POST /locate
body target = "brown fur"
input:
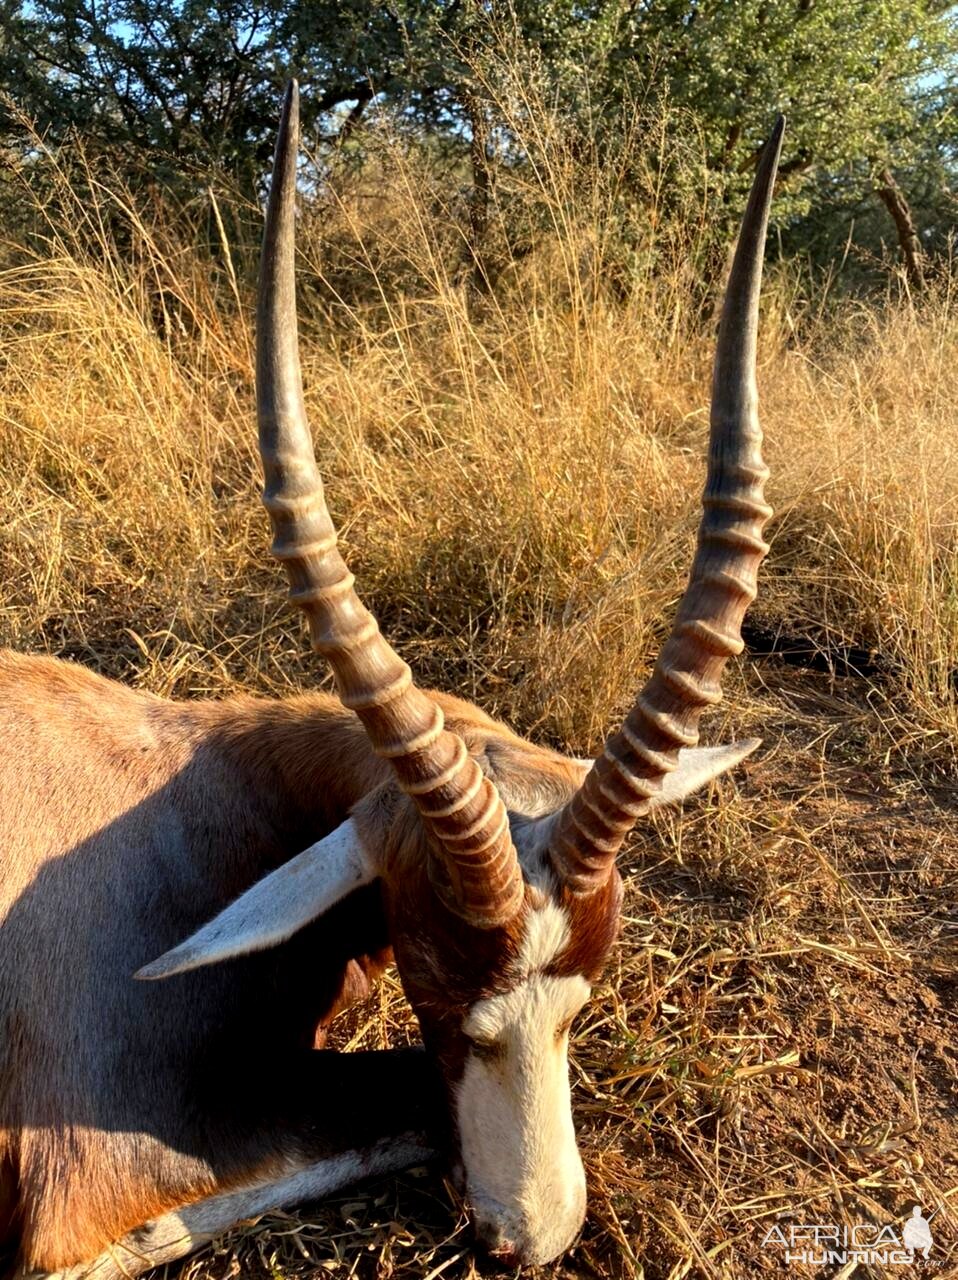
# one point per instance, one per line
(128, 822)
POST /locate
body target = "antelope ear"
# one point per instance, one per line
(277, 906)
(698, 766)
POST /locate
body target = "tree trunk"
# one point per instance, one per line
(893, 198)
(363, 98)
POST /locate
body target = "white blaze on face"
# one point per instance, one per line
(524, 1179)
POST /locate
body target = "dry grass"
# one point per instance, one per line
(516, 478)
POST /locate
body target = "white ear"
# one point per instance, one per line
(277, 906)
(697, 766)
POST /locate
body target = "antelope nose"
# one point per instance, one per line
(493, 1240)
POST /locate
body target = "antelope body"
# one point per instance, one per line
(266, 860)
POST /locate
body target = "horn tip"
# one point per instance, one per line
(289, 113)
(773, 146)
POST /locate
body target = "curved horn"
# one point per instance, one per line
(706, 632)
(462, 811)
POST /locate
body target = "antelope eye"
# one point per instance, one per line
(485, 1050)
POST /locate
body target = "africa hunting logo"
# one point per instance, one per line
(820, 1244)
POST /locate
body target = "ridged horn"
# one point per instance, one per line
(463, 813)
(707, 631)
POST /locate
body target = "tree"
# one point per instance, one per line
(187, 88)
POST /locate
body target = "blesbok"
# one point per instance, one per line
(296, 846)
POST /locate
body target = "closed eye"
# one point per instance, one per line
(485, 1050)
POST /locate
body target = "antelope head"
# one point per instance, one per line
(496, 858)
